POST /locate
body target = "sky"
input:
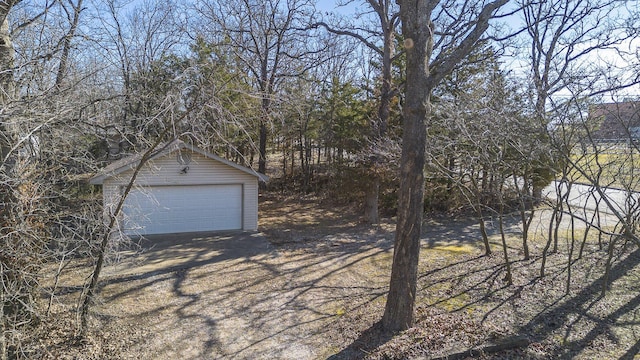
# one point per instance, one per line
(611, 60)
(517, 62)
(331, 5)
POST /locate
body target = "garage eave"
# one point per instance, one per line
(131, 162)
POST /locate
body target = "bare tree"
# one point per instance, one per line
(48, 121)
(129, 43)
(477, 138)
(381, 40)
(271, 41)
(35, 177)
(562, 34)
(566, 41)
(7, 54)
(73, 15)
(89, 293)
(9, 265)
(423, 76)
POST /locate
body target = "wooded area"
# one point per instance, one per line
(403, 108)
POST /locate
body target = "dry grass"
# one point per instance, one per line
(319, 291)
(464, 303)
(617, 167)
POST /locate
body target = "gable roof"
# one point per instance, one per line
(130, 162)
(619, 120)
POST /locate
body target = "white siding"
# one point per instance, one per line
(184, 208)
(201, 171)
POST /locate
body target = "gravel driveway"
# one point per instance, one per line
(171, 252)
(236, 296)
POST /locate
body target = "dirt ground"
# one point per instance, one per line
(312, 285)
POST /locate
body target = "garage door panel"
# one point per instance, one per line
(171, 209)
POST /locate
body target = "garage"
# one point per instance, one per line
(175, 209)
(181, 188)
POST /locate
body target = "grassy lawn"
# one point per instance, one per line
(614, 166)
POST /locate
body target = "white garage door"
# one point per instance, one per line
(174, 209)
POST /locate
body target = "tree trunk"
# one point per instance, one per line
(483, 231)
(537, 193)
(505, 249)
(66, 48)
(301, 151)
(386, 93)
(3, 340)
(284, 158)
(6, 198)
(265, 88)
(6, 87)
(380, 126)
(262, 151)
(293, 156)
(418, 30)
(477, 199)
(525, 217)
(416, 27)
(90, 292)
(371, 201)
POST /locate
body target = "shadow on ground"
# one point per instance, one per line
(579, 324)
(238, 296)
(170, 252)
(253, 295)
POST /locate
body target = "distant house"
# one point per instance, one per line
(181, 189)
(619, 121)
